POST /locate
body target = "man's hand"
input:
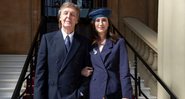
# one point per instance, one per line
(87, 71)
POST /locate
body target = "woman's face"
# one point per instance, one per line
(101, 24)
(68, 18)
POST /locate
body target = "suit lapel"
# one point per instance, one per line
(106, 50)
(74, 47)
(60, 49)
(96, 56)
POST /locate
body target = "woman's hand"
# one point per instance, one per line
(87, 71)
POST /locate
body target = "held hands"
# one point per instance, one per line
(87, 71)
(121, 98)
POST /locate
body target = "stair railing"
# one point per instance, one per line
(138, 56)
(27, 72)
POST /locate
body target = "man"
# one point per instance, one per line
(61, 57)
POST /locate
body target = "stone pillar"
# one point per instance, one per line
(171, 47)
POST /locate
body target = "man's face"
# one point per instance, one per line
(68, 18)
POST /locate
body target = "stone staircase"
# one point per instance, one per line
(145, 90)
(10, 69)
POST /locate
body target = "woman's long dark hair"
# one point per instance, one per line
(110, 33)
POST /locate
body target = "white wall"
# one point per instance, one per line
(171, 46)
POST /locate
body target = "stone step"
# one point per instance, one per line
(12, 63)
(6, 93)
(12, 57)
(11, 66)
(150, 97)
(8, 83)
(132, 69)
(145, 90)
(10, 69)
(5, 97)
(141, 83)
(9, 75)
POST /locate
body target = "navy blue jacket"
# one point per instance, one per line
(111, 76)
(58, 73)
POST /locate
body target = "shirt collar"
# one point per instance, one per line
(65, 34)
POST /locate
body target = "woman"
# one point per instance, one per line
(111, 76)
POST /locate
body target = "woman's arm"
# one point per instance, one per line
(124, 71)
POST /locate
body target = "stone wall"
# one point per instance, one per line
(19, 21)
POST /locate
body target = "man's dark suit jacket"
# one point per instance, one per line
(58, 73)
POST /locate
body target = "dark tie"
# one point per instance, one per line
(67, 43)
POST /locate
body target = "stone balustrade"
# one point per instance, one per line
(143, 39)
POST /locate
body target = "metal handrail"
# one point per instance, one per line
(16, 93)
(172, 95)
